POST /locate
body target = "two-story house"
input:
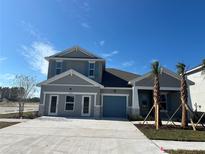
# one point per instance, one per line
(197, 91)
(79, 84)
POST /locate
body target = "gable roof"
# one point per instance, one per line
(117, 78)
(75, 52)
(195, 69)
(71, 71)
(163, 70)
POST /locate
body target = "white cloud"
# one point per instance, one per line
(109, 55)
(30, 29)
(102, 43)
(36, 53)
(85, 25)
(128, 63)
(6, 79)
(3, 59)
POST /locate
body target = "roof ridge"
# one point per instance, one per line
(122, 70)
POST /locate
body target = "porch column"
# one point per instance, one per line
(135, 101)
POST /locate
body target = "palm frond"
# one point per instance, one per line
(155, 67)
(180, 68)
(203, 63)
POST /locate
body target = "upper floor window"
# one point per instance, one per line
(91, 69)
(59, 67)
(163, 101)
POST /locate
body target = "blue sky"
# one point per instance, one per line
(130, 34)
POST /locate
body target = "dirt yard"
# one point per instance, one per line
(12, 107)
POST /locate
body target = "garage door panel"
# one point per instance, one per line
(114, 106)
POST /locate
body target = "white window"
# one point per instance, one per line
(91, 69)
(163, 101)
(59, 67)
(69, 104)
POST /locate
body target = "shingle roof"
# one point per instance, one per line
(75, 52)
(117, 78)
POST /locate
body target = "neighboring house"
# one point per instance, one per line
(79, 84)
(197, 91)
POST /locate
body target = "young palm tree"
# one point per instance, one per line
(183, 93)
(203, 63)
(156, 93)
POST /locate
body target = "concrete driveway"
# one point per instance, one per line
(83, 136)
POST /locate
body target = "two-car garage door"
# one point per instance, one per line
(114, 106)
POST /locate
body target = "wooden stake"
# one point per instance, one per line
(200, 119)
(174, 114)
(148, 114)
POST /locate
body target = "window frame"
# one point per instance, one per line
(91, 69)
(58, 68)
(164, 102)
(69, 103)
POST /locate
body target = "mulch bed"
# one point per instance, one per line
(171, 132)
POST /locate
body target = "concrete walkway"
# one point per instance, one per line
(176, 145)
(13, 120)
(83, 136)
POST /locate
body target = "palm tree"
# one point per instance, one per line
(156, 93)
(203, 63)
(183, 93)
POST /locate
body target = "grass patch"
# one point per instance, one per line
(26, 115)
(171, 132)
(7, 124)
(185, 152)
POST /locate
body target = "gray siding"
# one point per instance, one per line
(71, 80)
(61, 105)
(165, 81)
(73, 90)
(79, 66)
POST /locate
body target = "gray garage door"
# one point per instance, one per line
(114, 106)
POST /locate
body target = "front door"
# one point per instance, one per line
(86, 105)
(53, 105)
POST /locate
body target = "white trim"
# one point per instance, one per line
(67, 93)
(44, 99)
(49, 109)
(161, 88)
(69, 103)
(194, 69)
(70, 72)
(77, 59)
(110, 94)
(95, 101)
(89, 108)
(70, 85)
(89, 69)
(120, 88)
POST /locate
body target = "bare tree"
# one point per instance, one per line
(26, 87)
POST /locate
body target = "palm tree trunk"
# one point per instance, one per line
(157, 101)
(183, 92)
